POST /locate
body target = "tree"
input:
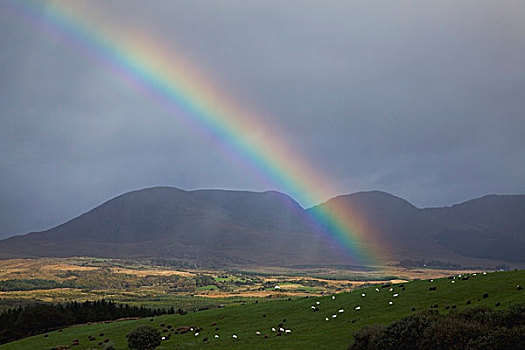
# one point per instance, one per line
(144, 338)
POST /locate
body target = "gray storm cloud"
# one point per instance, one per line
(425, 100)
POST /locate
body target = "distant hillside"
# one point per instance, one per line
(210, 227)
(231, 228)
(492, 227)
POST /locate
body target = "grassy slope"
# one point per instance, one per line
(309, 329)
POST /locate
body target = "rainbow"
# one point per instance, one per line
(180, 87)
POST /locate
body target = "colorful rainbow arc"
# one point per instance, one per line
(165, 76)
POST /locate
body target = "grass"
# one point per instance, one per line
(309, 328)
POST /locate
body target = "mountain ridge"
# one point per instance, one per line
(224, 227)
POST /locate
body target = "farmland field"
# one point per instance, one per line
(245, 314)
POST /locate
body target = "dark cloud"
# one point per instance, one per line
(424, 100)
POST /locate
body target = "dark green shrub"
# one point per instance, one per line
(469, 329)
(366, 337)
(144, 338)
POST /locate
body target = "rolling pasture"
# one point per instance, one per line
(326, 322)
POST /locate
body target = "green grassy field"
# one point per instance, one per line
(309, 329)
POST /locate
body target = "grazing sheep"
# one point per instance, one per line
(334, 316)
(163, 338)
(518, 287)
(341, 310)
(317, 302)
(358, 308)
(391, 290)
(216, 336)
(258, 333)
(484, 273)
(363, 294)
(234, 336)
(197, 334)
(390, 303)
(453, 281)
(326, 319)
(288, 331)
(333, 297)
(281, 329)
(395, 295)
(277, 287)
(273, 329)
(377, 289)
(312, 307)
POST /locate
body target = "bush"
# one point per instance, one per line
(144, 338)
(470, 329)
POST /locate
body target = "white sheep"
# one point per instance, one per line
(277, 287)
(163, 338)
(395, 295)
(377, 289)
(288, 331)
(216, 336)
(390, 303)
(333, 297)
(312, 307)
(358, 308)
(326, 319)
(391, 290)
(363, 294)
(334, 316)
(281, 329)
(234, 336)
(258, 333)
(197, 334)
(317, 302)
(273, 329)
(341, 310)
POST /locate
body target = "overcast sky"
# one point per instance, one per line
(425, 100)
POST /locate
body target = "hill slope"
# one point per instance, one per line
(225, 228)
(309, 329)
(491, 227)
(210, 227)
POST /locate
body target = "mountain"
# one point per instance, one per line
(210, 227)
(491, 227)
(220, 228)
